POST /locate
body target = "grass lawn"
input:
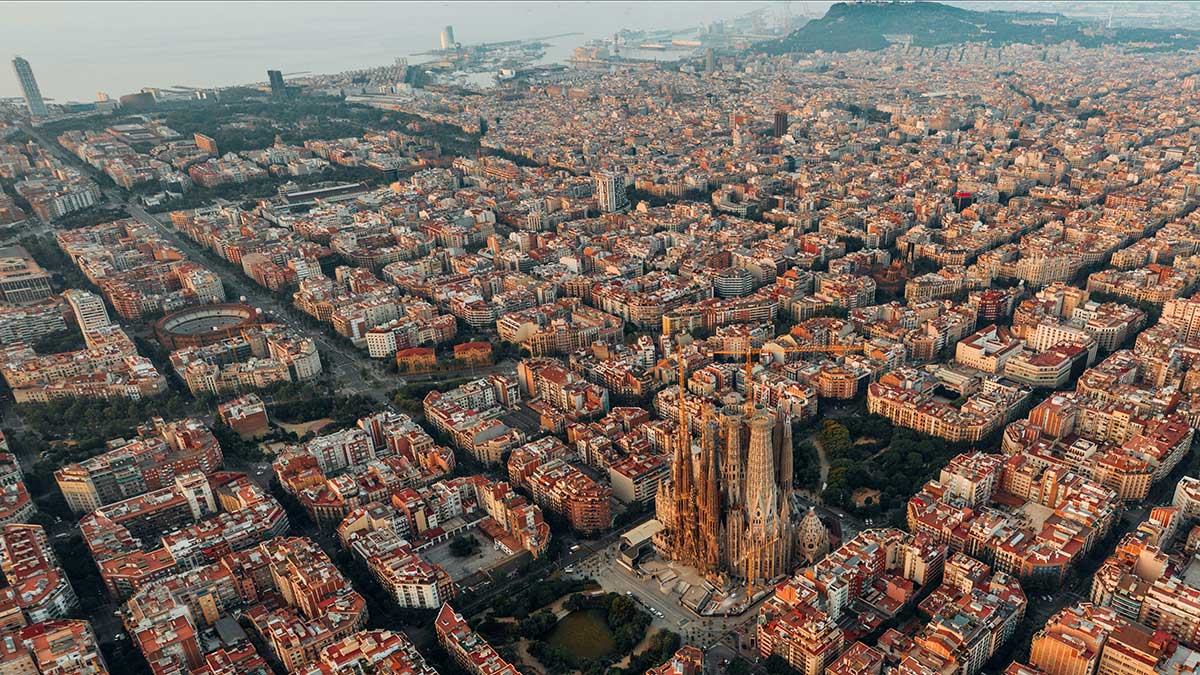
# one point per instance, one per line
(584, 634)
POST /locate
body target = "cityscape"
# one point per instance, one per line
(787, 338)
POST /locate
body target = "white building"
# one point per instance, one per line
(1050, 333)
(610, 192)
(340, 450)
(1187, 498)
(27, 323)
(988, 349)
(89, 309)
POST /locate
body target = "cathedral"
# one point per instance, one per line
(728, 512)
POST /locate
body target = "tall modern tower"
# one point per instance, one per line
(278, 88)
(610, 192)
(781, 123)
(33, 95)
(89, 310)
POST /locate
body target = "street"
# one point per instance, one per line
(707, 632)
(578, 551)
(354, 372)
(346, 365)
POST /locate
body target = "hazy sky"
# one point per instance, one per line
(78, 49)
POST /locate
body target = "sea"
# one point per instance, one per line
(79, 49)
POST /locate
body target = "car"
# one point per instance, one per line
(569, 568)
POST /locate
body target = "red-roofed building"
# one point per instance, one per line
(469, 650)
(473, 353)
(416, 359)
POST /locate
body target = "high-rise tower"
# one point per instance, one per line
(781, 123)
(278, 88)
(29, 85)
(90, 313)
(610, 192)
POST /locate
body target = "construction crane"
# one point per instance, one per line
(750, 352)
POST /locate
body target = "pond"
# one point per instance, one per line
(583, 633)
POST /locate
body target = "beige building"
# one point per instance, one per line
(22, 280)
(89, 309)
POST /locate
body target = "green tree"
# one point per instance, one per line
(464, 546)
(776, 665)
(835, 438)
(538, 624)
(738, 667)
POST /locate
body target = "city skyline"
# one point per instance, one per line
(205, 48)
(29, 87)
(343, 44)
(749, 340)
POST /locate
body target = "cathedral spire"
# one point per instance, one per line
(733, 460)
(727, 514)
(783, 452)
(710, 498)
(761, 480)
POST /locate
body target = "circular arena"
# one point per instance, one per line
(204, 324)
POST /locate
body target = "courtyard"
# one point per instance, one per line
(487, 561)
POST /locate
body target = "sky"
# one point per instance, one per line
(79, 49)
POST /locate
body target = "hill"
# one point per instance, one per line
(847, 27)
